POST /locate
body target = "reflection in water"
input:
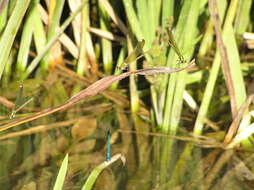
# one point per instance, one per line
(153, 161)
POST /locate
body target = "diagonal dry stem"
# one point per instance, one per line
(94, 89)
(236, 122)
(223, 52)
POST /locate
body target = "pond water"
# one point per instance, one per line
(152, 162)
(31, 154)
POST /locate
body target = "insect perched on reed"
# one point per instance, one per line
(135, 55)
(174, 45)
(108, 156)
(20, 102)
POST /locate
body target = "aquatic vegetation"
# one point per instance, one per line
(164, 84)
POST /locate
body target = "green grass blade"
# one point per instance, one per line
(142, 18)
(198, 128)
(106, 44)
(52, 28)
(49, 44)
(242, 136)
(120, 60)
(151, 15)
(39, 32)
(3, 15)
(96, 171)
(207, 40)
(155, 6)
(26, 40)
(82, 66)
(235, 65)
(243, 16)
(61, 174)
(134, 55)
(10, 32)
(8, 68)
(167, 11)
(133, 19)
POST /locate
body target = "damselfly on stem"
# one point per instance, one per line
(20, 102)
(135, 55)
(173, 44)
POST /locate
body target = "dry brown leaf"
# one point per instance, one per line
(84, 128)
(84, 146)
(94, 89)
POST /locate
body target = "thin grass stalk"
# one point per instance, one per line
(213, 9)
(157, 9)
(152, 16)
(133, 86)
(26, 40)
(237, 75)
(133, 20)
(242, 16)
(135, 26)
(10, 32)
(167, 11)
(8, 69)
(91, 54)
(157, 100)
(148, 13)
(3, 15)
(82, 65)
(120, 60)
(55, 12)
(114, 17)
(80, 30)
(61, 174)
(207, 40)
(235, 65)
(106, 44)
(76, 24)
(106, 53)
(144, 22)
(12, 5)
(198, 128)
(39, 33)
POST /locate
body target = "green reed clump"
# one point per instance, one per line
(57, 48)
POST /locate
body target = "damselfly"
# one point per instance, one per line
(108, 156)
(20, 102)
(135, 55)
(173, 44)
